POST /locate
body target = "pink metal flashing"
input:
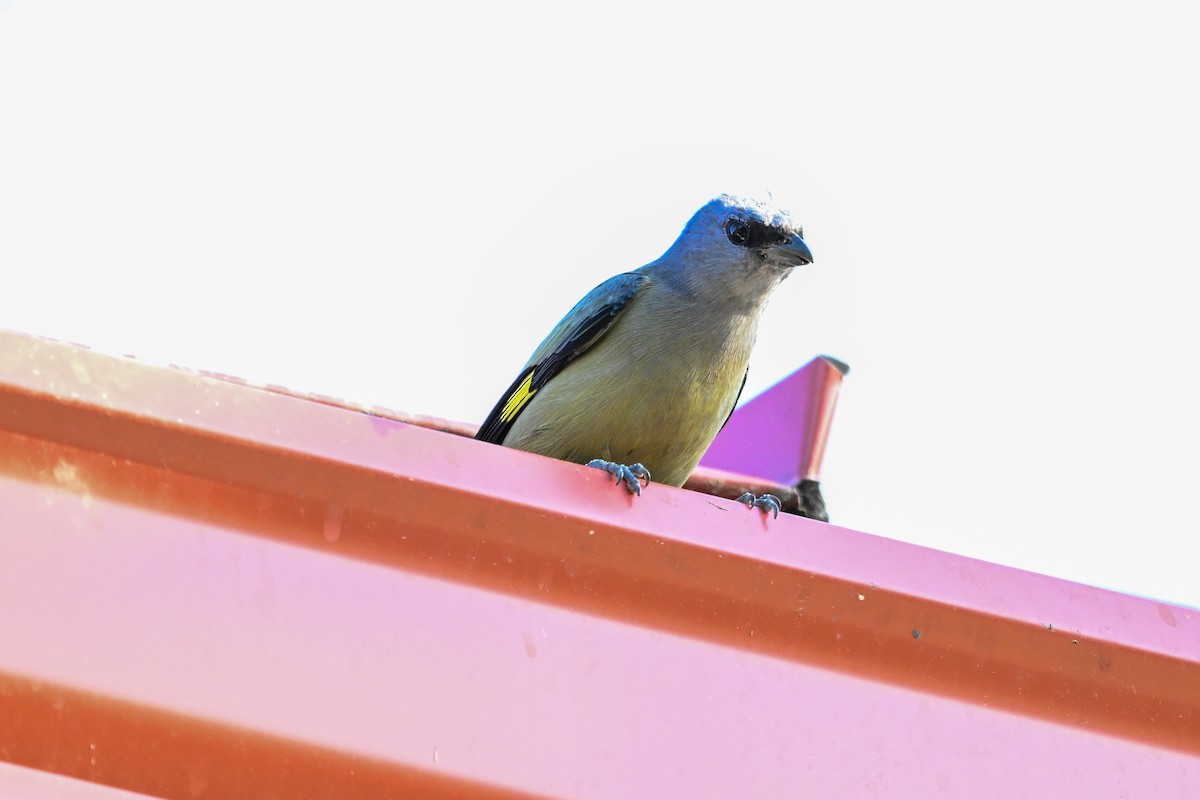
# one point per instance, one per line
(781, 434)
(212, 590)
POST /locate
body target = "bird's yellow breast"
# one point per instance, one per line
(631, 399)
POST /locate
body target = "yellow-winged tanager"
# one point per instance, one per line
(638, 378)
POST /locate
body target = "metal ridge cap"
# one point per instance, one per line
(194, 403)
(686, 563)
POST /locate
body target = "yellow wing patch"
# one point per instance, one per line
(517, 400)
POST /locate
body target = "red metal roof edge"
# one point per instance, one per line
(790, 587)
(708, 480)
(61, 719)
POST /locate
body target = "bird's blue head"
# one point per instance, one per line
(747, 246)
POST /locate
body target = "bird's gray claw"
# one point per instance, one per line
(768, 502)
(632, 475)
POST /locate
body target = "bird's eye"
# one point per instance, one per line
(738, 232)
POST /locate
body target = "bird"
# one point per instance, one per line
(638, 378)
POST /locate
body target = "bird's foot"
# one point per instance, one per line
(631, 474)
(768, 502)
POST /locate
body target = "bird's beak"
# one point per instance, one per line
(792, 252)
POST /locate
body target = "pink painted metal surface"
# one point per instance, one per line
(34, 784)
(782, 433)
(209, 590)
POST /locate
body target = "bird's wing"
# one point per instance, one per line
(581, 328)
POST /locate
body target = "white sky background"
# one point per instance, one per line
(393, 203)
